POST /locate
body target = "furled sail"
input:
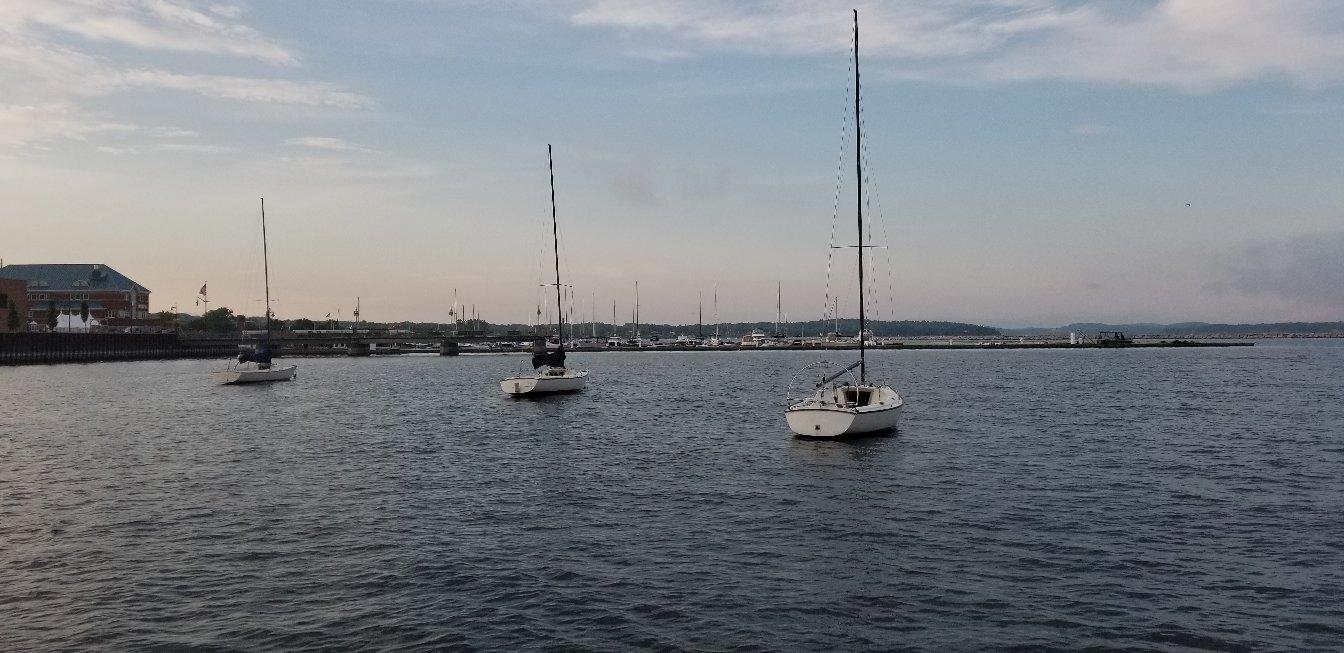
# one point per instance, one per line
(261, 355)
(541, 357)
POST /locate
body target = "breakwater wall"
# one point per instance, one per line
(41, 348)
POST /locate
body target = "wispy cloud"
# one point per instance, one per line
(25, 124)
(1190, 44)
(66, 53)
(325, 143)
(148, 25)
(199, 148)
(116, 151)
(245, 89)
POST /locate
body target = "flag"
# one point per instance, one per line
(202, 293)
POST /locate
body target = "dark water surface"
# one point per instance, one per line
(1169, 499)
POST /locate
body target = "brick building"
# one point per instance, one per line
(109, 294)
(13, 291)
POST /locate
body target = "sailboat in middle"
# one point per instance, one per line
(549, 374)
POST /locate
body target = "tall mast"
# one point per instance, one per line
(637, 312)
(555, 235)
(779, 303)
(592, 312)
(266, 268)
(613, 318)
(700, 319)
(716, 311)
(858, 187)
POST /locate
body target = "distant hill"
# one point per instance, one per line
(1188, 329)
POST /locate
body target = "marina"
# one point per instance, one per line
(1017, 328)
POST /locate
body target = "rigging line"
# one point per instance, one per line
(876, 196)
(869, 302)
(835, 203)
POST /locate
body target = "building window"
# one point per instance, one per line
(4, 300)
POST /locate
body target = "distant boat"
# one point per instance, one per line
(555, 378)
(257, 365)
(834, 409)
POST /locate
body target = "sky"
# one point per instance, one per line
(1030, 162)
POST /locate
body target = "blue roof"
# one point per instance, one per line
(63, 276)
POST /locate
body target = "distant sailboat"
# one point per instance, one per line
(834, 409)
(257, 366)
(555, 378)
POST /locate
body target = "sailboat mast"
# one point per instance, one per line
(637, 313)
(555, 236)
(858, 187)
(266, 269)
(716, 311)
(700, 318)
(779, 303)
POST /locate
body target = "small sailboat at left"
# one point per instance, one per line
(257, 365)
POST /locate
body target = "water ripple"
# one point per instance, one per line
(1056, 500)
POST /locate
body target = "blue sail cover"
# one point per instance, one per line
(541, 357)
(261, 355)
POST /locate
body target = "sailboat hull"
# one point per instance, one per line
(543, 384)
(240, 376)
(821, 417)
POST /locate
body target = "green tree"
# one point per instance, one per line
(14, 320)
(217, 320)
(302, 324)
(84, 312)
(51, 316)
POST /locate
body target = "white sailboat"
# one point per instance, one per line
(257, 365)
(855, 406)
(549, 375)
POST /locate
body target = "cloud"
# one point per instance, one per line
(1189, 44)
(22, 125)
(116, 151)
(325, 143)
(64, 54)
(200, 148)
(147, 25)
(1306, 268)
(244, 89)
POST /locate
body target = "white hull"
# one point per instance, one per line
(545, 383)
(823, 416)
(237, 376)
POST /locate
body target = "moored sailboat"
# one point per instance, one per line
(556, 377)
(856, 406)
(257, 365)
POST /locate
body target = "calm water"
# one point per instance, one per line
(1171, 499)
